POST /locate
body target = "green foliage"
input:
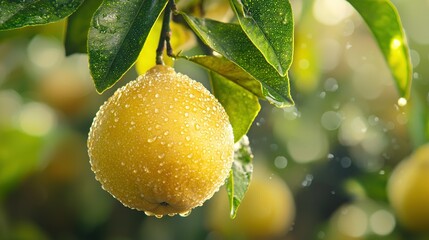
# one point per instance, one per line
(116, 35)
(229, 40)
(241, 105)
(17, 14)
(241, 174)
(384, 22)
(230, 71)
(19, 153)
(78, 26)
(269, 28)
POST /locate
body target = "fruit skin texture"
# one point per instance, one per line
(161, 144)
(408, 190)
(266, 212)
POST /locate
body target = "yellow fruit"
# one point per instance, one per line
(161, 144)
(267, 210)
(408, 190)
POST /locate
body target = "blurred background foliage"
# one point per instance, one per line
(335, 149)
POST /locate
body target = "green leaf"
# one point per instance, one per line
(17, 14)
(78, 26)
(117, 33)
(19, 155)
(384, 22)
(240, 176)
(269, 28)
(230, 41)
(229, 70)
(241, 105)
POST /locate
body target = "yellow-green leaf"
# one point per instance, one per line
(240, 176)
(383, 20)
(241, 105)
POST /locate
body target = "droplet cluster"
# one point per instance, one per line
(161, 144)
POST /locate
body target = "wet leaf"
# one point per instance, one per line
(240, 176)
(241, 105)
(269, 28)
(17, 14)
(229, 70)
(117, 33)
(78, 26)
(230, 41)
(385, 23)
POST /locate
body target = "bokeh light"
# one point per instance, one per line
(37, 119)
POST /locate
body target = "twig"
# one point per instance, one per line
(164, 39)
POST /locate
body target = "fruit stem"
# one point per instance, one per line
(164, 39)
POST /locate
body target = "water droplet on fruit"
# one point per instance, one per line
(148, 213)
(160, 156)
(151, 140)
(185, 214)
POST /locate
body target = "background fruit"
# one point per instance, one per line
(162, 143)
(409, 192)
(267, 210)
